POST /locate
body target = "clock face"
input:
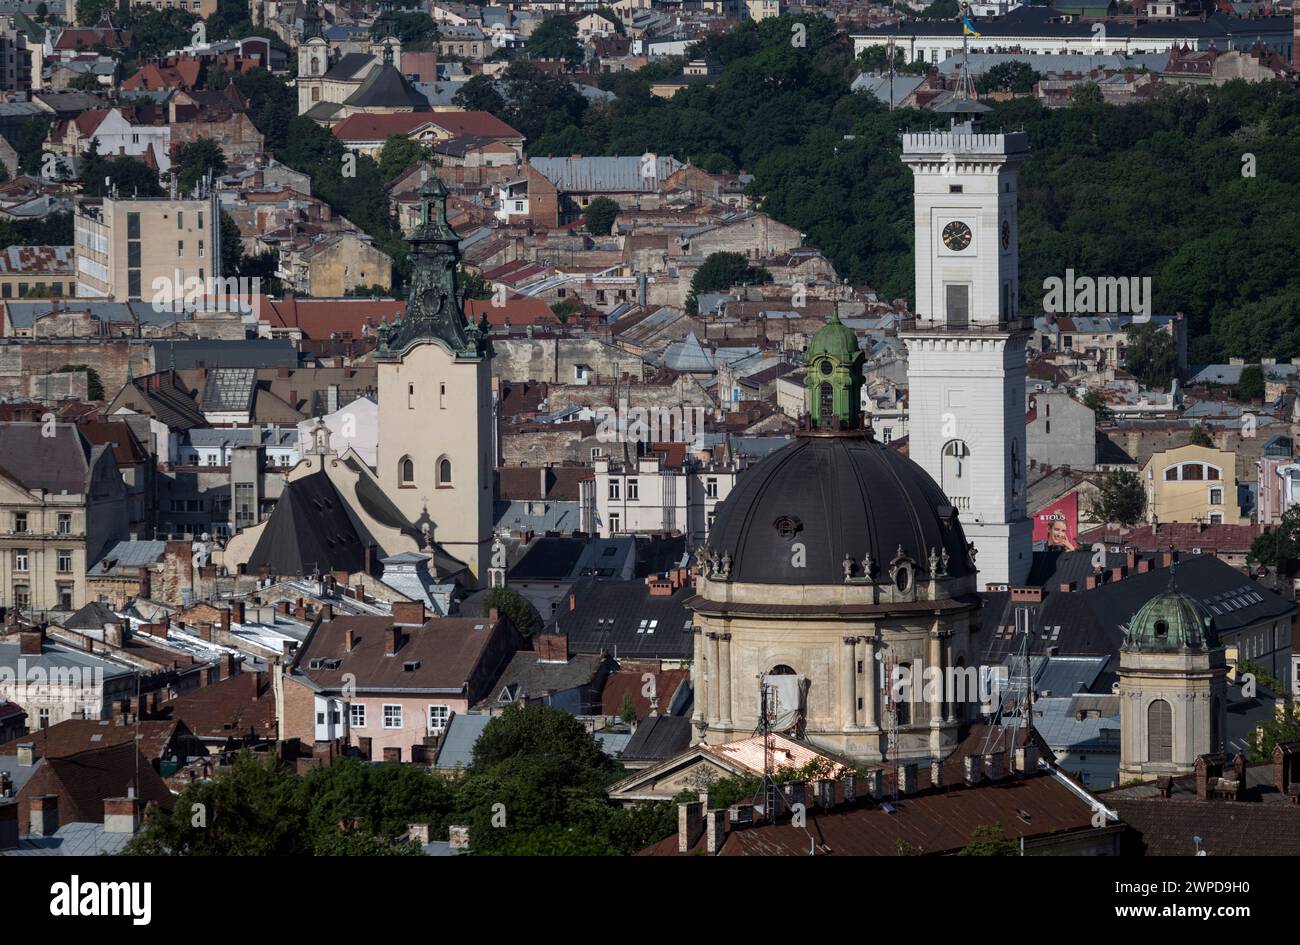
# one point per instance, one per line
(1006, 235)
(956, 236)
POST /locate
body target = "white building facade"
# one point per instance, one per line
(967, 345)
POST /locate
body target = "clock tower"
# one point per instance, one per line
(966, 348)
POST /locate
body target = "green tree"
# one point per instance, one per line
(516, 607)
(599, 216)
(1017, 77)
(722, 271)
(399, 154)
(565, 309)
(416, 31)
(1280, 544)
(627, 711)
(85, 82)
(94, 385)
(1151, 356)
(194, 160)
(480, 94)
(1120, 500)
(876, 59)
(1285, 728)
(1096, 402)
(556, 38)
(90, 11)
(1086, 95)
(1250, 386)
(232, 251)
(990, 840)
(1200, 437)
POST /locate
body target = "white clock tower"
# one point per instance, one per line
(966, 350)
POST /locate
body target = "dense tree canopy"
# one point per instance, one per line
(1189, 189)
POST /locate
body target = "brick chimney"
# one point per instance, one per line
(1027, 758)
(204, 630)
(715, 830)
(223, 620)
(121, 815)
(408, 613)
(690, 823)
(44, 815)
(552, 647)
(229, 666)
(30, 642)
(1119, 573)
(392, 641)
(1286, 770)
(907, 779)
(350, 640)
(115, 633)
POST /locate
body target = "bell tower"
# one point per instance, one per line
(435, 397)
(967, 345)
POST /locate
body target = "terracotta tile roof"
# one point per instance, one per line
(323, 318)
(90, 119)
(83, 781)
(73, 735)
(127, 448)
(1183, 536)
(633, 683)
(444, 652)
(239, 706)
(515, 311)
(376, 127)
(480, 124)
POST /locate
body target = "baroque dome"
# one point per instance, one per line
(1172, 621)
(837, 496)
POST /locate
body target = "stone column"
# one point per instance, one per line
(699, 677)
(849, 684)
(870, 688)
(934, 660)
(724, 679)
(715, 667)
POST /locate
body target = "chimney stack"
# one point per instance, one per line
(715, 830)
(974, 769)
(121, 815)
(907, 779)
(690, 823)
(237, 612)
(392, 641)
(44, 816)
(27, 754)
(1027, 758)
(223, 618)
(993, 765)
(408, 613)
(936, 774)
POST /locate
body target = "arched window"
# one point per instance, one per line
(956, 475)
(444, 471)
(1160, 732)
(827, 406)
(406, 471)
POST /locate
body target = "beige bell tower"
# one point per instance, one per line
(1171, 688)
(435, 398)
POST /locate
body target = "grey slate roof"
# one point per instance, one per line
(624, 619)
(385, 87)
(457, 749)
(530, 678)
(246, 353)
(611, 175)
(58, 463)
(659, 738)
(72, 840)
(128, 554)
(309, 530)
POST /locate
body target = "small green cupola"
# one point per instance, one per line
(834, 379)
(1170, 622)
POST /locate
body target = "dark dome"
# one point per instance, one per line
(838, 495)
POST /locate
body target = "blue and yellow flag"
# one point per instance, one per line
(966, 28)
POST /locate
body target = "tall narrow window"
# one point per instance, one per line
(444, 472)
(1160, 732)
(406, 471)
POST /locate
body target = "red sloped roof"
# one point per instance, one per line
(365, 127)
(481, 124)
(321, 318)
(90, 119)
(516, 311)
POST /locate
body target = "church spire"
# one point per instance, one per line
(435, 301)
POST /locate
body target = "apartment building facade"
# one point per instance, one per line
(146, 250)
(652, 494)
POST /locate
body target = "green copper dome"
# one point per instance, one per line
(833, 382)
(1172, 621)
(834, 339)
